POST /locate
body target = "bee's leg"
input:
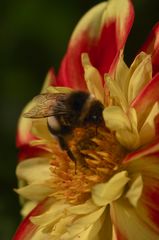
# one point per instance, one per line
(64, 146)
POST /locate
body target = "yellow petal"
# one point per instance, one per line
(28, 207)
(116, 119)
(92, 16)
(116, 93)
(96, 231)
(105, 193)
(33, 170)
(52, 215)
(135, 190)
(59, 229)
(35, 191)
(113, 11)
(39, 235)
(84, 235)
(147, 132)
(85, 208)
(40, 130)
(93, 78)
(130, 140)
(141, 75)
(83, 224)
(121, 75)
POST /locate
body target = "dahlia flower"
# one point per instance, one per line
(112, 190)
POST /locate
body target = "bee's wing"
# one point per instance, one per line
(44, 105)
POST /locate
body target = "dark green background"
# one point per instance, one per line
(33, 37)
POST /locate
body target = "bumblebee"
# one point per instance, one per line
(65, 112)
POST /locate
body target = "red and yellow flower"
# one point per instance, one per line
(114, 191)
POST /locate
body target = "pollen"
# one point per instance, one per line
(98, 156)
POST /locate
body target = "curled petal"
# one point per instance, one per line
(135, 190)
(140, 74)
(116, 92)
(116, 119)
(129, 139)
(151, 46)
(102, 32)
(105, 193)
(144, 102)
(125, 125)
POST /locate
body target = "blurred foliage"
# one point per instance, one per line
(34, 36)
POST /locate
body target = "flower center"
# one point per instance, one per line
(98, 156)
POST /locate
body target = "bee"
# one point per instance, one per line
(65, 112)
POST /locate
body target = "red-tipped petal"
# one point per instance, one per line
(150, 202)
(146, 99)
(102, 32)
(152, 148)
(151, 46)
(147, 208)
(27, 229)
(27, 151)
(129, 225)
(140, 221)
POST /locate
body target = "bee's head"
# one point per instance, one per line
(94, 114)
